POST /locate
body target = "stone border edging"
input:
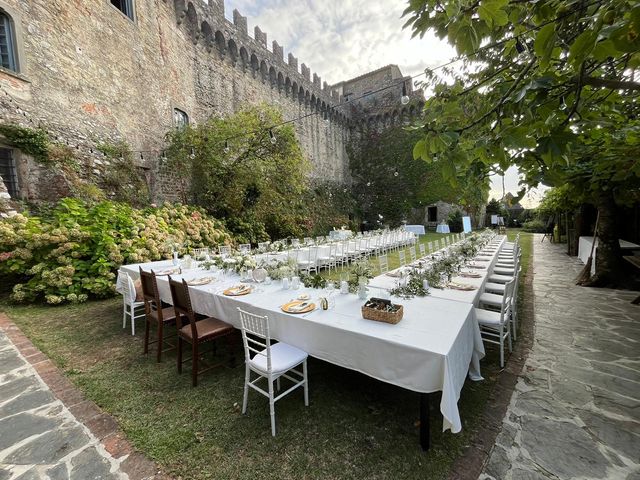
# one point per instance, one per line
(102, 425)
(471, 463)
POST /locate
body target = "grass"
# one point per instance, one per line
(354, 428)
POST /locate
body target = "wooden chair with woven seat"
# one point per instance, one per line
(194, 331)
(154, 312)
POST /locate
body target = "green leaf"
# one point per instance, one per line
(543, 44)
(420, 150)
(448, 170)
(492, 13)
(582, 47)
(604, 50)
(466, 40)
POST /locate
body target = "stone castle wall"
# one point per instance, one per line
(90, 74)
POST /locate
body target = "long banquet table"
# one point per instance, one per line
(485, 261)
(433, 348)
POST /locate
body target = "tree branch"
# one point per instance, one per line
(576, 103)
(609, 83)
(497, 108)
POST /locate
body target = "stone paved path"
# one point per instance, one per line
(575, 412)
(39, 437)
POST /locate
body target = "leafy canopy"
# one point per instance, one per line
(548, 86)
(231, 167)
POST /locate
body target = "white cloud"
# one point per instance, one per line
(511, 179)
(341, 39)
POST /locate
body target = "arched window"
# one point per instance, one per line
(180, 118)
(8, 55)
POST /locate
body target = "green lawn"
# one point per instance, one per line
(355, 427)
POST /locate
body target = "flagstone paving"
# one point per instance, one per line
(39, 437)
(575, 411)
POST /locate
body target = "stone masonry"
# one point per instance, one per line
(88, 73)
(575, 411)
(38, 434)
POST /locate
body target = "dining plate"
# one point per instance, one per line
(470, 275)
(304, 296)
(170, 271)
(237, 291)
(200, 281)
(461, 286)
(298, 306)
(394, 274)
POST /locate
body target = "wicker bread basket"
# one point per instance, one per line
(382, 315)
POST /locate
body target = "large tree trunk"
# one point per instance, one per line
(609, 266)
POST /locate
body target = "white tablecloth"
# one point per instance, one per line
(486, 259)
(433, 348)
(584, 250)
(417, 229)
(442, 229)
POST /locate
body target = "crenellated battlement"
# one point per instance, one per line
(206, 24)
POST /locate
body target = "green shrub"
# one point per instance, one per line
(455, 221)
(534, 226)
(73, 252)
(247, 230)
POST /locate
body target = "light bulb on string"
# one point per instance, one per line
(192, 155)
(226, 146)
(405, 98)
(272, 136)
(141, 156)
(368, 184)
(396, 172)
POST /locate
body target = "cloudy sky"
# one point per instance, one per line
(341, 39)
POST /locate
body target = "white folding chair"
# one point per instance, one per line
(383, 261)
(224, 250)
(402, 258)
(130, 308)
(493, 297)
(495, 327)
(329, 259)
(310, 263)
(270, 362)
(412, 253)
(430, 245)
(244, 248)
(423, 251)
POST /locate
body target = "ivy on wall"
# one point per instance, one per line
(387, 182)
(119, 178)
(34, 142)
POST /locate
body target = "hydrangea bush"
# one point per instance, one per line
(73, 253)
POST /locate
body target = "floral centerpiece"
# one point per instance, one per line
(278, 270)
(360, 275)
